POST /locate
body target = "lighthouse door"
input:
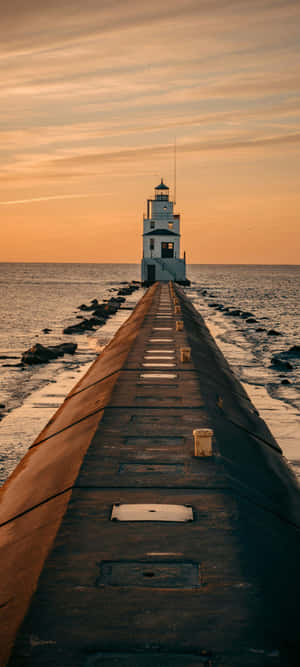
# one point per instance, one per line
(151, 273)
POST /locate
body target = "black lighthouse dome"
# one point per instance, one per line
(162, 191)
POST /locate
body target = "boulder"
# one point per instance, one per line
(246, 314)
(100, 311)
(67, 348)
(251, 320)
(233, 313)
(281, 365)
(273, 332)
(294, 351)
(39, 354)
(260, 329)
(87, 308)
(125, 291)
(46, 330)
(79, 328)
(115, 300)
(97, 321)
(285, 381)
(111, 308)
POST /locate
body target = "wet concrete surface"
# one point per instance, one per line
(220, 589)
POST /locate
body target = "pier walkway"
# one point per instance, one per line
(147, 555)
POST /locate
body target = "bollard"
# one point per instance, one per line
(177, 310)
(185, 354)
(203, 441)
(179, 325)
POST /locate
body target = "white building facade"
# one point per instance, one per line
(161, 240)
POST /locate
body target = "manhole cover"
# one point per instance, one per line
(153, 574)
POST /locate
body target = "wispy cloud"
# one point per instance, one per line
(49, 198)
(214, 144)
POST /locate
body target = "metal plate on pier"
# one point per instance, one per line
(152, 512)
(165, 468)
(163, 574)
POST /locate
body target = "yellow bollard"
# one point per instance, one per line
(185, 354)
(203, 441)
(179, 325)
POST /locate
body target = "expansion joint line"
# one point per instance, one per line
(258, 437)
(105, 377)
(43, 502)
(105, 406)
(260, 504)
(74, 487)
(67, 427)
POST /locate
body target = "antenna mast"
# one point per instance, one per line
(175, 156)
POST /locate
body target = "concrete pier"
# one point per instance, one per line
(119, 546)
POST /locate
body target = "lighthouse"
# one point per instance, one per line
(161, 240)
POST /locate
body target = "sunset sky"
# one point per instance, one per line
(93, 93)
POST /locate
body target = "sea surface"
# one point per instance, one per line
(38, 296)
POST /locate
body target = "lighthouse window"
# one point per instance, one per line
(151, 244)
(167, 249)
(170, 225)
(152, 224)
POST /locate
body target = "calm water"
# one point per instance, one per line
(35, 296)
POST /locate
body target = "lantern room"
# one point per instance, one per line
(162, 192)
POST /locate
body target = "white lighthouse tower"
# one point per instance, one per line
(161, 240)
